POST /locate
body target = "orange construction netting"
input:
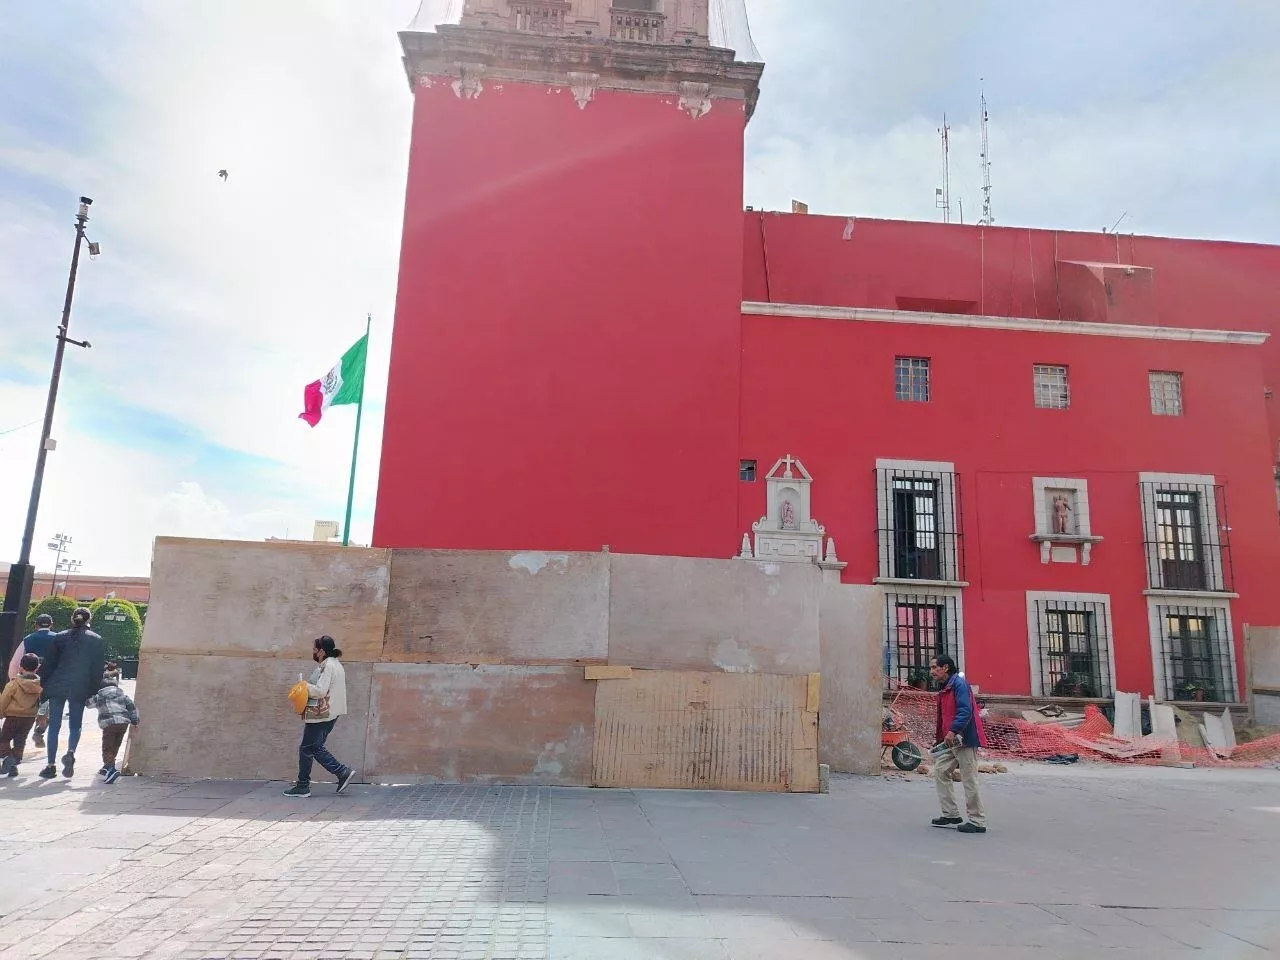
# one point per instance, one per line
(1091, 739)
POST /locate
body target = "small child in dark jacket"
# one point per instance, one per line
(116, 714)
(18, 703)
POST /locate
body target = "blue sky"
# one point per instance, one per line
(213, 304)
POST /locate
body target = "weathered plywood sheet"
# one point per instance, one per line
(851, 628)
(239, 598)
(455, 723)
(228, 718)
(474, 607)
(664, 729)
(677, 613)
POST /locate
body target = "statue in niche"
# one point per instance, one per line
(788, 516)
(1061, 514)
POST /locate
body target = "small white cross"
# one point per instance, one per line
(788, 460)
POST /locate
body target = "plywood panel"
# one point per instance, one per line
(702, 730)
(228, 718)
(489, 724)
(677, 613)
(238, 598)
(475, 607)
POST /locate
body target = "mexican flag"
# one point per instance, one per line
(343, 384)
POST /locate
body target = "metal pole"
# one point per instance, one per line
(22, 574)
(33, 508)
(355, 446)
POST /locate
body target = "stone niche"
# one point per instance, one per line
(1062, 522)
(788, 532)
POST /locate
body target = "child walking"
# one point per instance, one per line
(116, 714)
(18, 704)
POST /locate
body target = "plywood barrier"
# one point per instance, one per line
(716, 731)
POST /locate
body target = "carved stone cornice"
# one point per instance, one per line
(452, 51)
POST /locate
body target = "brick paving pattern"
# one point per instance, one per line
(1079, 863)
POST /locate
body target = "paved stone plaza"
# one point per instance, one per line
(1080, 862)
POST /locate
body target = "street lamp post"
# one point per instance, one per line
(22, 574)
(60, 544)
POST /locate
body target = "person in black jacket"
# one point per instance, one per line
(71, 674)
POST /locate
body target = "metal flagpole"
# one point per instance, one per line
(355, 446)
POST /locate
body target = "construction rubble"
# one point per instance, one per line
(1147, 733)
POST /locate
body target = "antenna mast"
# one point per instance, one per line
(943, 193)
(987, 218)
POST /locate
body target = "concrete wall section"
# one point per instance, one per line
(228, 718)
(458, 607)
(851, 627)
(238, 598)
(455, 723)
(669, 613)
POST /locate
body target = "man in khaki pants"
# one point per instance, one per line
(960, 729)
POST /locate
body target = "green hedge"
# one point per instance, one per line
(59, 607)
(118, 623)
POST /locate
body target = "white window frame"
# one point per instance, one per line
(1156, 631)
(1037, 626)
(1151, 392)
(954, 613)
(1037, 369)
(1207, 488)
(947, 519)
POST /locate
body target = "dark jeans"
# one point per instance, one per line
(76, 711)
(314, 736)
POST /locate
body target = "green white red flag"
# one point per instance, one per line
(343, 384)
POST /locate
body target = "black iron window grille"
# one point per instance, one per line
(919, 535)
(917, 629)
(1074, 645)
(911, 379)
(1187, 537)
(1197, 654)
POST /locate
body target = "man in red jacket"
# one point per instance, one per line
(960, 728)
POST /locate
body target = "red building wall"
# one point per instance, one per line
(567, 326)
(837, 410)
(838, 414)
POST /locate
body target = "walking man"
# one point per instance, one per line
(71, 674)
(960, 729)
(37, 642)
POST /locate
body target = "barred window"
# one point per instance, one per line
(1166, 393)
(917, 629)
(1187, 539)
(911, 379)
(919, 515)
(1197, 654)
(747, 471)
(1053, 391)
(1071, 645)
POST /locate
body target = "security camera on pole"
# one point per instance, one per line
(21, 575)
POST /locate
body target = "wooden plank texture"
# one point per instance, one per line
(683, 730)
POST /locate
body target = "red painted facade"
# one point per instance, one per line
(567, 325)
(574, 367)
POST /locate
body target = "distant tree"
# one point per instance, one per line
(118, 623)
(58, 607)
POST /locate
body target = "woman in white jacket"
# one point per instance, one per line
(327, 701)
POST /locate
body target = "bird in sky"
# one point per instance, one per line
(223, 174)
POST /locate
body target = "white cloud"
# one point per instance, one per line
(214, 303)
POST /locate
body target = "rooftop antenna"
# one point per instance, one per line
(1116, 224)
(942, 196)
(987, 217)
